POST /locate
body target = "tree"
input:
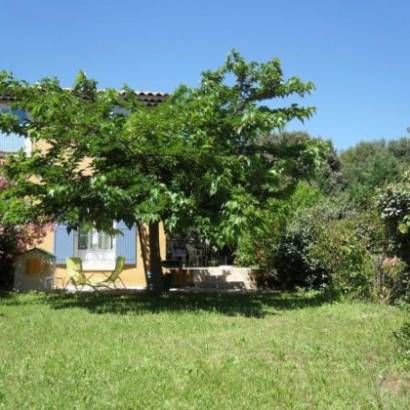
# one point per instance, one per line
(328, 175)
(367, 166)
(400, 148)
(195, 160)
(394, 205)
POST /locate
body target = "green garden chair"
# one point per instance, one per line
(77, 275)
(114, 276)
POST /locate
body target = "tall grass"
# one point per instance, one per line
(198, 351)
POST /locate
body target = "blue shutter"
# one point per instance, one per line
(63, 244)
(22, 116)
(126, 243)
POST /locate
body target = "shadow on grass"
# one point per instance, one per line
(252, 304)
(5, 293)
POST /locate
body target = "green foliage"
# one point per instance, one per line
(327, 174)
(326, 245)
(312, 241)
(394, 207)
(400, 148)
(330, 240)
(196, 160)
(293, 265)
(258, 243)
(8, 251)
(339, 252)
(366, 167)
(393, 282)
(193, 160)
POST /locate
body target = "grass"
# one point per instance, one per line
(202, 351)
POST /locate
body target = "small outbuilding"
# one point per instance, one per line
(34, 270)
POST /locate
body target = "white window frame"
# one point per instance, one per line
(28, 146)
(96, 259)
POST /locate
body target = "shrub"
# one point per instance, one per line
(265, 245)
(393, 281)
(257, 243)
(15, 239)
(329, 244)
(394, 206)
(314, 241)
(343, 255)
(293, 265)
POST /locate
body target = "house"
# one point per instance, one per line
(97, 250)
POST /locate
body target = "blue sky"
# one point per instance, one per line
(356, 52)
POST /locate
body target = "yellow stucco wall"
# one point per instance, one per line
(133, 275)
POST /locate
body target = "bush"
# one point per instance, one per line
(343, 255)
(314, 241)
(329, 245)
(293, 265)
(15, 239)
(393, 281)
(267, 245)
(8, 250)
(394, 207)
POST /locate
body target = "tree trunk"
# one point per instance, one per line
(143, 237)
(155, 259)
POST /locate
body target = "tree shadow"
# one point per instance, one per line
(247, 304)
(5, 294)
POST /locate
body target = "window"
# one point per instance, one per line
(14, 142)
(116, 110)
(94, 240)
(96, 249)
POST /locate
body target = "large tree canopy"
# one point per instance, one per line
(198, 159)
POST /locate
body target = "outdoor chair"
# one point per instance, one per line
(77, 275)
(114, 276)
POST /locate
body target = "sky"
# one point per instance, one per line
(356, 52)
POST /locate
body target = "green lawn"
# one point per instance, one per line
(205, 351)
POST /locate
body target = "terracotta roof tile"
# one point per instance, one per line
(150, 98)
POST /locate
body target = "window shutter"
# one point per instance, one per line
(126, 243)
(22, 116)
(63, 244)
